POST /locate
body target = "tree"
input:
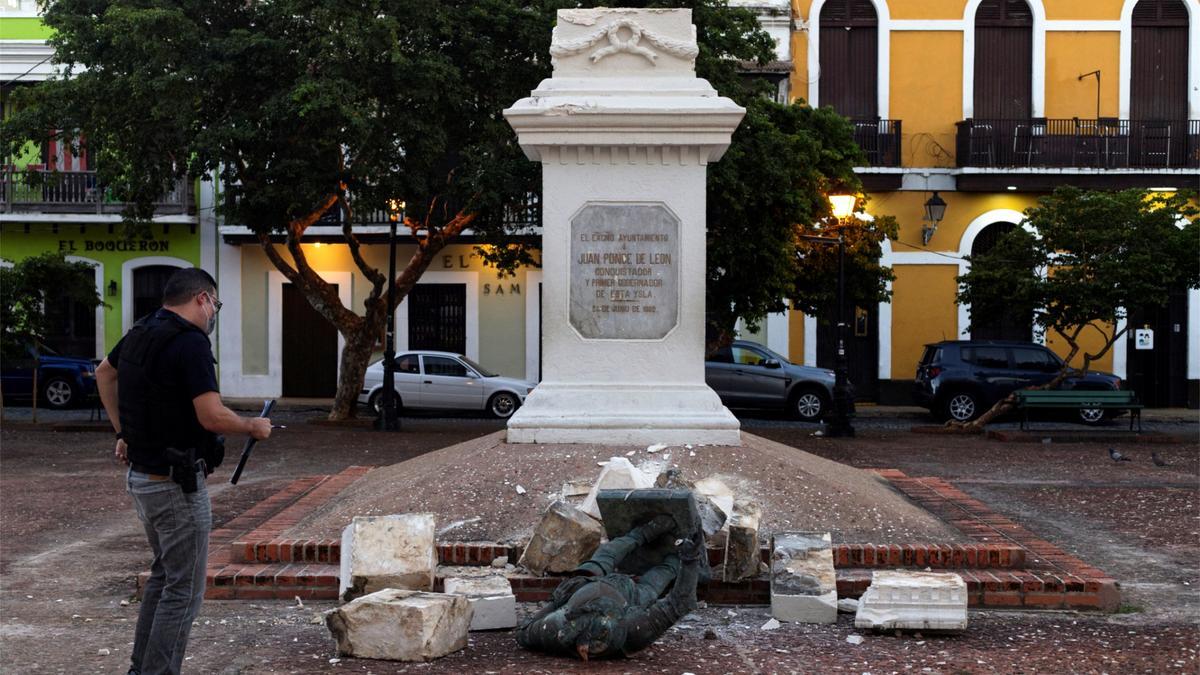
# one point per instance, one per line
(28, 286)
(302, 108)
(1094, 256)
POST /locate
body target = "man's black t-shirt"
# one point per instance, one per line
(186, 364)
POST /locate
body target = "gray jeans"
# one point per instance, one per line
(177, 526)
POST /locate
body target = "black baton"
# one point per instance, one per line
(237, 473)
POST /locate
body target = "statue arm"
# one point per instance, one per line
(644, 626)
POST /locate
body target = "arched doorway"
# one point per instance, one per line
(1158, 97)
(148, 284)
(1003, 77)
(1017, 325)
(849, 58)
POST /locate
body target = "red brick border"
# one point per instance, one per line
(1006, 566)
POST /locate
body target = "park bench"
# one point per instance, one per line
(1080, 399)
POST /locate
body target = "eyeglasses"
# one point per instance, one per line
(217, 304)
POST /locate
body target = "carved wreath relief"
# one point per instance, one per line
(630, 45)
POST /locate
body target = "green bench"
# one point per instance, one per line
(1098, 401)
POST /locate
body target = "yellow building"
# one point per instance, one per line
(989, 104)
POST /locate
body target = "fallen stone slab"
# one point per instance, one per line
(395, 551)
(803, 581)
(913, 601)
(743, 557)
(564, 538)
(618, 474)
(493, 604)
(401, 625)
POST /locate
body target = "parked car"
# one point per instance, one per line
(446, 381)
(748, 375)
(62, 381)
(961, 379)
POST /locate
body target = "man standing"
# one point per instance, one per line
(159, 388)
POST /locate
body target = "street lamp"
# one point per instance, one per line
(388, 420)
(842, 206)
(935, 210)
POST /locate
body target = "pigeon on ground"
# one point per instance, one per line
(1158, 461)
(1118, 457)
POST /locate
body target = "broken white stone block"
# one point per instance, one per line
(493, 604)
(847, 605)
(395, 551)
(562, 540)
(718, 493)
(913, 601)
(401, 625)
(742, 554)
(617, 474)
(803, 581)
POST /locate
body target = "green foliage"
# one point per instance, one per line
(1105, 253)
(26, 288)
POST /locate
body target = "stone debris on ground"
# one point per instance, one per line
(742, 553)
(401, 625)
(913, 601)
(502, 561)
(771, 624)
(394, 551)
(847, 605)
(854, 639)
(493, 604)
(564, 538)
(618, 474)
(803, 581)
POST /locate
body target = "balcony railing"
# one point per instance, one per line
(879, 139)
(1104, 143)
(43, 191)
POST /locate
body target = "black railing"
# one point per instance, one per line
(879, 139)
(1105, 143)
(519, 215)
(45, 191)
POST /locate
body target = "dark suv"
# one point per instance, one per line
(961, 379)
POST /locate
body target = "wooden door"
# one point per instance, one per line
(148, 285)
(310, 356)
(1003, 77)
(1159, 375)
(862, 348)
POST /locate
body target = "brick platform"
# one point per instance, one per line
(1005, 567)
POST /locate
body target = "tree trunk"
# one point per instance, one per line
(356, 356)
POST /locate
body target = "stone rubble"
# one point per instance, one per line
(803, 581)
(913, 601)
(394, 551)
(847, 605)
(617, 474)
(493, 603)
(401, 625)
(564, 538)
(742, 554)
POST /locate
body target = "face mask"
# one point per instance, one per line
(211, 323)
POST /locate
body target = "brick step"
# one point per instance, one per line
(992, 590)
(220, 539)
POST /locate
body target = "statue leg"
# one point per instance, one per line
(609, 556)
(654, 582)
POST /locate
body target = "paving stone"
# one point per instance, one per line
(401, 625)
(742, 553)
(913, 601)
(493, 604)
(803, 581)
(617, 474)
(563, 539)
(395, 551)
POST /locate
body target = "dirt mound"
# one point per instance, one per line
(472, 487)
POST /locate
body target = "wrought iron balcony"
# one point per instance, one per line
(1104, 143)
(45, 191)
(879, 139)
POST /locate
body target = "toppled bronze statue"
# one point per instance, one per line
(601, 613)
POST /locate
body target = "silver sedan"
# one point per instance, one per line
(445, 381)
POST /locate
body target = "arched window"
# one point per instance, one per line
(148, 284)
(1159, 67)
(1003, 77)
(849, 58)
(1000, 325)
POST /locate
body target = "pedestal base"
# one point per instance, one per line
(624, 414)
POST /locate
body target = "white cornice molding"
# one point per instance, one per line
(26, 60)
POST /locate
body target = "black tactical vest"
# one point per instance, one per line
(154, 416)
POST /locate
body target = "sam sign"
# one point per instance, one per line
(1143, 338)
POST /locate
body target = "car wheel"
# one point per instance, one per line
(375, 403)
(59, 393)
(1091, 415)
(503, 404)
(808, 406)
(961, 406)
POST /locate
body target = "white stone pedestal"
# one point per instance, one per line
(624, 131)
